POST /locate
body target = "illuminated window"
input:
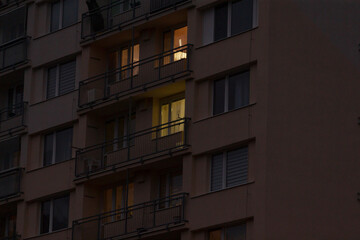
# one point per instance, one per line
(175, 39)
(237, 232)
(172, 109)
(122, 59)
(114, 199)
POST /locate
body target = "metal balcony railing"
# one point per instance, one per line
(12, 118)
(10, 182)
(14, 237)
(4, 3)
(133, 148)
(121, 13)
(134, 220)
(13, 53)
(134, 77)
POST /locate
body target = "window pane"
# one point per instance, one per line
(177, 112)
(110, 135)
(180, 39)
(236, 232)
(167, 46)
(67, 77)
(239, 90)
(221, 21)
(215, 235)
(208, 26)
(9, 153)
(136, 58)
(12, 25)
(219, 96)
(163, 190)
(60, 213)
(216, 172)
(55, 16)
(241, 16)
(108, 200)
(70, 12)
(176, 183)
(45, 217)
(237, 167)
(63, 145)
(164, 119)
(48, 149)
(51, 83)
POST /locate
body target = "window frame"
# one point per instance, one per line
(224, 228)
(168, 101)
(226, 95)
(211, 13)
(61, 15)
(168, 175)
(224, 165)
(57, 80)
(51, 214)
(172, 30)
(53, 157)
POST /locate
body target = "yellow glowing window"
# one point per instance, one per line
(175, 39)
(114, 199)
(170, 112)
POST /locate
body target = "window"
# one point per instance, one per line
(114, 199)
(116, 131)
(175, 39)
(237, 232)
(57, 146)
(122, 59)
(119, 7)
(169, 184)
(228, 19)
(229, 169)
(9, 153)
(172, 109)
(61, 79)
(12, 25)
(63, 14)
(54, 214)
(15, 99)
(231, 92)
(7, 225)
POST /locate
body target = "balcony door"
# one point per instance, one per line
(169, 184)
(174, 39)
(116, 132)
(172, 109)
(15, 99)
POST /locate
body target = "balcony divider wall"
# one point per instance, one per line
(135, 220)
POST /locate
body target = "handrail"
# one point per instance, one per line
(135, 219)
(142, 145)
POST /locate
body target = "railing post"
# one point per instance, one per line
(154, 209)
(126, 218)
(99, 228)
(183, 207)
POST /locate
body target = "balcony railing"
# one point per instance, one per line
(13, 53)
(121, 13)
(14, 237)
(135, 220)
(134, 77)
(12, 118)
(133, 148)
(10, 182)
(4, 3)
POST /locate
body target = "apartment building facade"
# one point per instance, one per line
(179, 119)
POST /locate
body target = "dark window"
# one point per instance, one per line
(70, 12)
(237, 232)
(239, 90)
(229, 169)
(61, 79)
(61, 150)
(219, 96)
(221, 21)
(241, 16)
(54, 214)
(12, 25)
(55, 16)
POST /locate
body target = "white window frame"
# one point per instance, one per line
(53, 157)
(51, 214)
(211, 15)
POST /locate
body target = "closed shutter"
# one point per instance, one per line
(216, 172)
(51, 83)
(237, 167)
(67, 77)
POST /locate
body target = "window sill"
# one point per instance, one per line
(50, 33)
(220, 114)
(235, 35)
(50, 99)
(224, 189)
(43, 167)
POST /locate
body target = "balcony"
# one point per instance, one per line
(15, 237)
(12, 119)
(135, 77)
(13, 53)
(134, 148)
(147, 217)
(10, 183)
(121, 13)
(5, 3)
